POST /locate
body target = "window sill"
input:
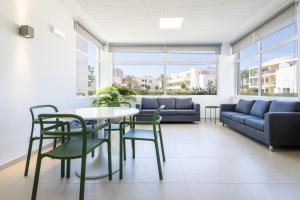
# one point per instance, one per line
(267, 97)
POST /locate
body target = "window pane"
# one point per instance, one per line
(143, 79)
(248, 76)
(92, 71)
(279, 36)
(251, 50)
(87, 57)
(93, 51)
(191, 79)
(81, 44)
(191, 57)
(82, 74)
(279, 71)
(138, 57)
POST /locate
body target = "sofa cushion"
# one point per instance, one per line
(244, 106)
(256, 123)
(149, 103)
(260, 108)
(186, 112)
(241, 117)
(147, 111)
(283, 106)
(186, 103)
(168, 112)
(169, 103)
(228, 114)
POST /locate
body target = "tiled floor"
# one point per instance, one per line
(204, 162)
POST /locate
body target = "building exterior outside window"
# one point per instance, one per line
(269, 66)
(166, 73)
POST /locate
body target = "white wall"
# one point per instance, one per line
(33, 71)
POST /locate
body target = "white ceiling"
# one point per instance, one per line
(205, 21)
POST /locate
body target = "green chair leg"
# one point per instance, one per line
(62, 168)
(68, 168)
(161, 143)
(28, 157)
(124, 149)
(121, 155)
(54, 143)
(82, 178)
(29, 151)
(109, 160)
(36, 178)
(158, 159)
(133, 148)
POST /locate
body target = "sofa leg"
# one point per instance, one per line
(271, 148)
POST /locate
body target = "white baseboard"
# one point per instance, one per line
(22, 157)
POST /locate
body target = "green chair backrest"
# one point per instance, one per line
(39, 107)
(54, 130)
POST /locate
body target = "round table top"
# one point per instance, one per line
(99, 113)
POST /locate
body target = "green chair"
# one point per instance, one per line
(70, 148)
(35, 121)
(145, 135)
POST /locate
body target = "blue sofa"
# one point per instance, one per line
(275, 123)
(176, 109)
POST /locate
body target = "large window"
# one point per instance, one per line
(166, 73)
(87, 62)
(269, 66)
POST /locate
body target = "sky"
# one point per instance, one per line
(157, 70)
(249, 56)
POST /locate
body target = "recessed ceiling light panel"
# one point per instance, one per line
(170, 23)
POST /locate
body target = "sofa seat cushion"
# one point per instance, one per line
(228, 114)
(260, 108)
(169, 103)
(240, 118)
(147, 111)
(183, 103)
(149, 103)
(256, 123)
(244, 106)
(168, 112)
(284, 106)
(186, 112)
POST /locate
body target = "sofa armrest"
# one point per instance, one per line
(227, 107)
(138, 106)
(283, 128)
(196, 106)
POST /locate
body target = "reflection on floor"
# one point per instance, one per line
(205, 162)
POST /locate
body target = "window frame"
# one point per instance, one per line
(96, 59)
(260, 52)
(165, 63)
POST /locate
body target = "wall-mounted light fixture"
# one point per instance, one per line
(58, 32)
(26, 31)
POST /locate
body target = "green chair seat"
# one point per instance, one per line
(116, 127)
(139, 134)
(73, 148)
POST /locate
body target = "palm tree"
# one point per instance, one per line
(130, 81)
(162, 79)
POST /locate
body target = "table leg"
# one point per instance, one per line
(215, 115)
(97, 167)
(205, 115)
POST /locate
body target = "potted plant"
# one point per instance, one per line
(113, 96)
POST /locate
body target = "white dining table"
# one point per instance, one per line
(97, 167)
